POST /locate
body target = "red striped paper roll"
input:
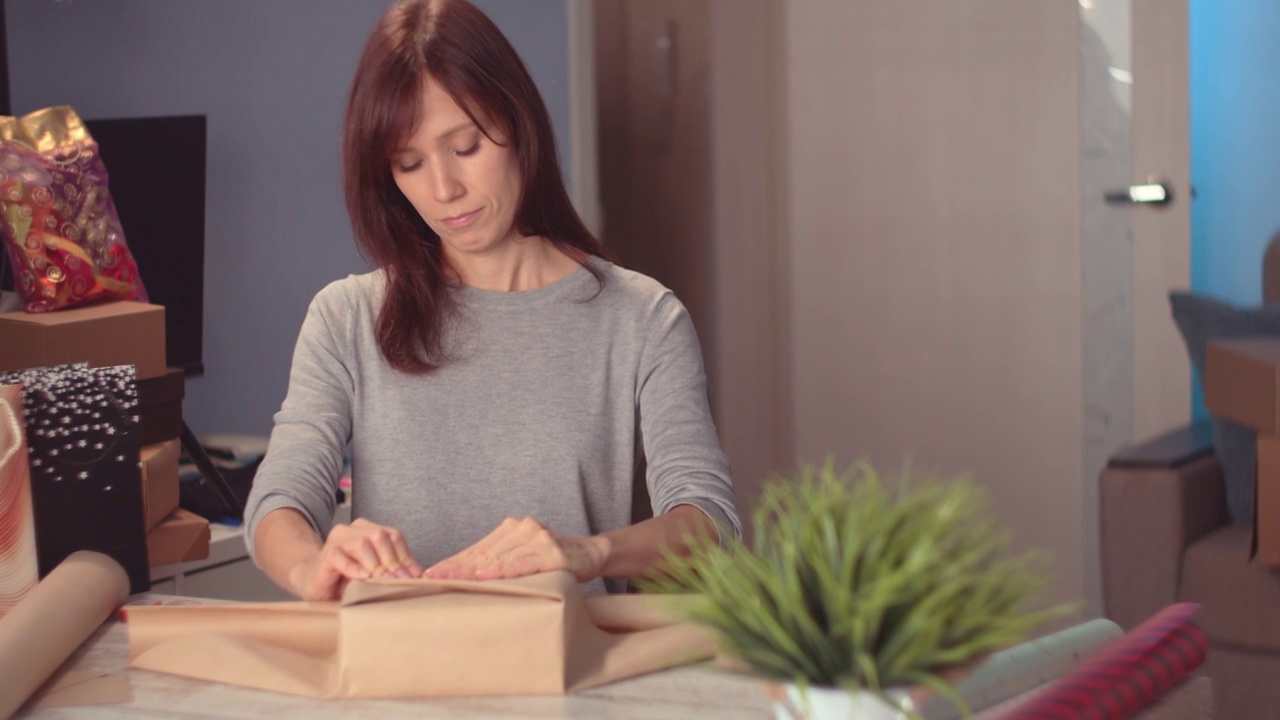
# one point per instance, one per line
(1129, 675)
(18, 566)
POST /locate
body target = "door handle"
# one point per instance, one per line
(1150, 193)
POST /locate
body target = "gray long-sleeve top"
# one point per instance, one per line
(545, 400)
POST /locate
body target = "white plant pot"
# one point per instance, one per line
(792, 703)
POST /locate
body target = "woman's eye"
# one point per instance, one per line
(408, 167)
(469, 151)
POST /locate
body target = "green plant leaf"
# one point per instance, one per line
(858, 580)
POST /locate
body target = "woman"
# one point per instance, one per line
(495, 366)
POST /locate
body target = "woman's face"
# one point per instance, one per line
(464, 185)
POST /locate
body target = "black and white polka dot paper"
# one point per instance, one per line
(86, 482)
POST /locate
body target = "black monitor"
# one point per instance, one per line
(156, 176)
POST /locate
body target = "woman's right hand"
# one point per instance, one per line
(357, 551)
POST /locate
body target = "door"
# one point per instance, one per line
(960, 294)
(652, 87)
(651, 84)
(1135, 106)
(689, 117)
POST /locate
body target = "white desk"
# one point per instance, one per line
(690, 692)
(697, 692)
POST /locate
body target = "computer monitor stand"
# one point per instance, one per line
(217, 484)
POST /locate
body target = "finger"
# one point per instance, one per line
(528, 558)
(341, 562)
(521, 533)
(524, 537)
(509, 534)
(411, 567)
(404, 557)
(388, 543)
(459, 567)
(328, 585)
(462, 565)
(361, 550)
(514, 566)
(441, 568)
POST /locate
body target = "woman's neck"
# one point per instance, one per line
(527, 264)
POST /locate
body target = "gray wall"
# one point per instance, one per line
(272, 78)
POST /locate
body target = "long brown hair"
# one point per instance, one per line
(459, 47)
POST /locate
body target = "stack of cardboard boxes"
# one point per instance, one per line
(1242, 384)
(123, 333)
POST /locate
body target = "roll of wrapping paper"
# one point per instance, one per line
(1022, 668)
(1129, 675)
(19, 569)
(53, 620)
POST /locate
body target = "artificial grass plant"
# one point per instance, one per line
(862, 582)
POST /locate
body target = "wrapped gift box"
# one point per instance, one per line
(160, 407)
(182, 537)
(86, 485)
(159, 481)
(107, 335)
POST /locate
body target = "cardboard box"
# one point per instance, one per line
(1242, 382)
(1266, 504)
(115, 333)
(182, 537)
(160, 407)
(159, 481)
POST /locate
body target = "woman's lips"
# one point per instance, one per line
(457, 222)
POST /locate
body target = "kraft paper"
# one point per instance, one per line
(52, 621)
(400, 638)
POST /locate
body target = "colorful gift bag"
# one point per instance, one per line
(60, 225)
(86, 484)
(18, 569)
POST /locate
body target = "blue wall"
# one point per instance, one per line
(272, 76)
(1235, 146)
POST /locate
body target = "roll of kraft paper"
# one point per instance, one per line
(53, 620)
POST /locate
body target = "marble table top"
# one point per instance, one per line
(700, 692)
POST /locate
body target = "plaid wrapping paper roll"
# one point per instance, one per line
(1127, 676)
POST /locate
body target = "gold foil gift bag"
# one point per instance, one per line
(60, 226)
(422, 638)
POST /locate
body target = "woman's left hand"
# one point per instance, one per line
(524, 547)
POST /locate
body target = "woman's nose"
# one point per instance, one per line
(447, 187)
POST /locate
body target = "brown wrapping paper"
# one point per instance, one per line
(52, 621)
(422, 638)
